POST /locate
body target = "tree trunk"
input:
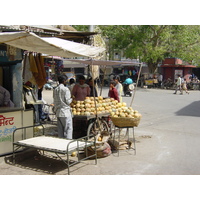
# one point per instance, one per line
(152, 67)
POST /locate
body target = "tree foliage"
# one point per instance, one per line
(152, 43)
(81, 27)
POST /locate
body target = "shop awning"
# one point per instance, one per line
(49, 45)
(102, 62)
(178, 66)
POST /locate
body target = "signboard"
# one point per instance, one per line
(9, 121)
(178, 72)
(9, 53)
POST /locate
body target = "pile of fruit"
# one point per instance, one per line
(100, 105)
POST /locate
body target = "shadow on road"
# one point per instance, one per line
(37, 162)
(192, 109)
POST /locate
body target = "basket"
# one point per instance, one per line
(125, 121)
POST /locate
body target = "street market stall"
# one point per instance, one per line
(96, 106)
(98, 125)
(16, 66)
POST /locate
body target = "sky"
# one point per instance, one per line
(104, 12)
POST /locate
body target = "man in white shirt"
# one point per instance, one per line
(179, 85)
(160, 79)
(62, 99)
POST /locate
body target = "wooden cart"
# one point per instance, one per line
(87, 125)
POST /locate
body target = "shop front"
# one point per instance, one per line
(21, 63)
(12, 117)
(172, 67)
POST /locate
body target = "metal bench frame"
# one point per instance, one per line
(78, 145)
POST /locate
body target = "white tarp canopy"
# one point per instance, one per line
(51, 46)
(102, 62)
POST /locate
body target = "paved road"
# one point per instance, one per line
(167, 139)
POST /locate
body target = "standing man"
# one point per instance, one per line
(178, 85)
(160, 79)
(62, 99)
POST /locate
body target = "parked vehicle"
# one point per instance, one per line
(48, 86)
(128, 89)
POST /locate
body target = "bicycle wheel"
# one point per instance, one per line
(95, 128)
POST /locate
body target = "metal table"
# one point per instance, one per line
(129, 140)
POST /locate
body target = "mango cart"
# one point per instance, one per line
(91, 116)
(89, 125)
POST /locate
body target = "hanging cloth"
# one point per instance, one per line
(33, 68)
(40, 78)
(27, 74)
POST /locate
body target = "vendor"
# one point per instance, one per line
(81, 90)
(5, 98)
(112, 93)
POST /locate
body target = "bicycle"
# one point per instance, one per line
(97, 126)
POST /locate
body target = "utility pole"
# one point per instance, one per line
(91, 28)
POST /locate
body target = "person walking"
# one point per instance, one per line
(178, 85)
(160, 80)
(62, 99)
(184, 86)
(118, 87)
(113, 91)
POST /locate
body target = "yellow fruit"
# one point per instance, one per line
(78, 109)
(73, 154)
(87, 113)
(123, 104)
(99, 139)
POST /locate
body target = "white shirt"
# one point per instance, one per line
(119, 89)
(62, 99)
(179, 81)
(160, 77)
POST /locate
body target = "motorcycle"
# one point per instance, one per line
(48, 86)
(128, 89)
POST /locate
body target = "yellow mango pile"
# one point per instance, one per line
(100, 105)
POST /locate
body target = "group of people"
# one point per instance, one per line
(181, 85)
(63, 96)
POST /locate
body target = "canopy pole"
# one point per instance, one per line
(136, 85)
(95, 103)
(102, 82)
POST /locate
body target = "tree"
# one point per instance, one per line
(152, 43)
(81, 27)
